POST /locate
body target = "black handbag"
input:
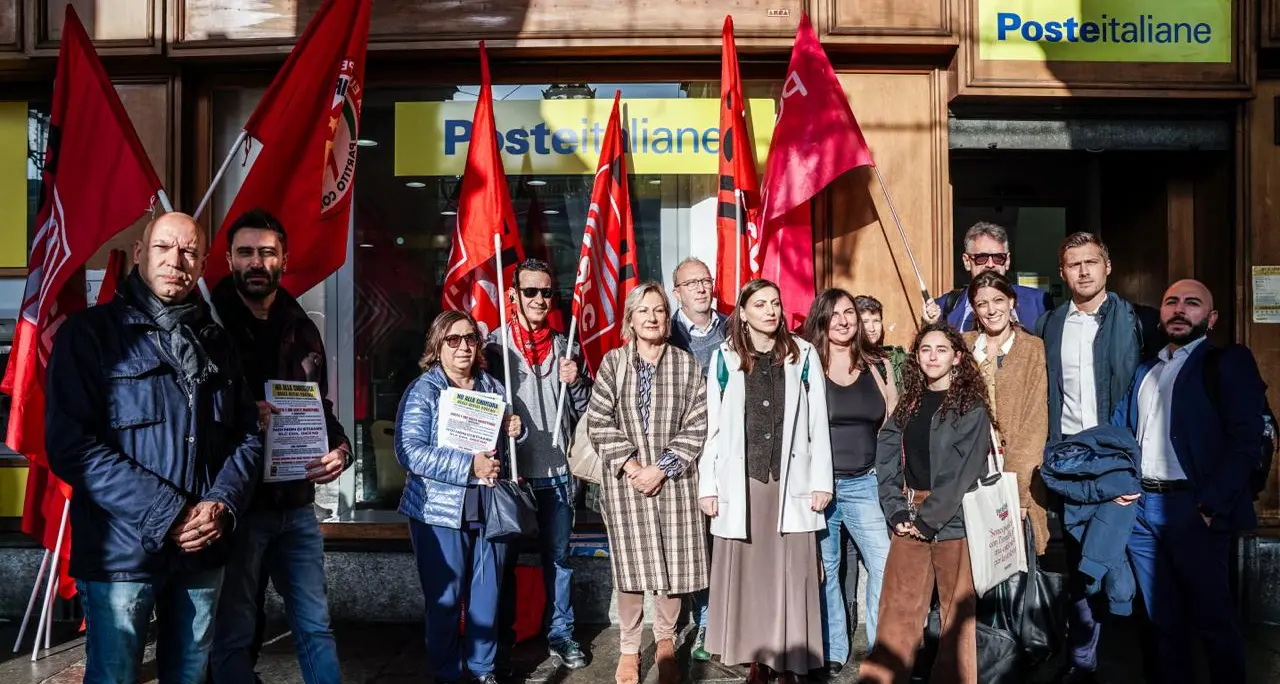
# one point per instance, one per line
(998, 654)
(512, 514)
(1032, 606)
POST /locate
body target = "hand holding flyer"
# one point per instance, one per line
(469, 421)
(296, 433)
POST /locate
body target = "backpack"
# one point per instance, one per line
(722, 374)
(1267, 440)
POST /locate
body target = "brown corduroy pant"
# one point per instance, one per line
(910, 573)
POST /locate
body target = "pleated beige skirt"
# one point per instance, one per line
(765, 592)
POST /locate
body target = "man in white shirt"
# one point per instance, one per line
(1200, 448)
(1093, 344)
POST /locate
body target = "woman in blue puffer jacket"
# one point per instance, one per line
(445, 498)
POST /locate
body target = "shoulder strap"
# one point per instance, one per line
(804, 373)
(880, 368)
(950, 301)
(722, 373)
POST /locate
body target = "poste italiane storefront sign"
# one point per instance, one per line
(668, 136)
(1106, 30)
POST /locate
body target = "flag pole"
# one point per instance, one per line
(506, 366)
(217, 177)
(31, 603)
(564, 387)
(737, 240)
(46, 616)
(924, 290)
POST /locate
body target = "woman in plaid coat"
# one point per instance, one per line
(648, 420)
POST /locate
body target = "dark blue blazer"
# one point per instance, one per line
(1217, 446)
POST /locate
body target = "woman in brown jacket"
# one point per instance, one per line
(1013, 365)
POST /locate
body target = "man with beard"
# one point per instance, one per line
(1093, 343)
(536, 359)
(1199, 449)
(697, 328)
(279, 536)
(149, 423)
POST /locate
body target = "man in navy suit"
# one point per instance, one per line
(1197, 457)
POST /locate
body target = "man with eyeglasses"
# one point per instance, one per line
(696, 327)
(536, 359)
(986, 248)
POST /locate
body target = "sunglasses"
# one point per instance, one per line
(472, 340)
(531, 292)
(998, 258)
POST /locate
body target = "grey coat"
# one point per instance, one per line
(958, 448)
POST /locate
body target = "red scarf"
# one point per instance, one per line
(535, 345)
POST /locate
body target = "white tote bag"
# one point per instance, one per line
(993, 524)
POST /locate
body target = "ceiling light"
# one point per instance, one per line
(448, 212)
(365, 142)
(550, 212)
(399, 240)
(366, 244)
(415, 184)
(536, 183)
(656, 181)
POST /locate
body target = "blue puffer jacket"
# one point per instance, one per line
(1089, 470)
(438, 476)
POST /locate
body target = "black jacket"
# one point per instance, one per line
(137, 449)
(958, 448)
(298, 356)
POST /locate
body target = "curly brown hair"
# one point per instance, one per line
(968, 388)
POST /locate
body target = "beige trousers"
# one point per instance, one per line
(666, 610)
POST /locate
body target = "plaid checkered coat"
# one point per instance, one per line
(656, 543)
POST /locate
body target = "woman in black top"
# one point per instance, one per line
(931, 452)
(860, 395)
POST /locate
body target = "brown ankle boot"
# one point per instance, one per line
(628, 669)
(665, 659)
(759, 674)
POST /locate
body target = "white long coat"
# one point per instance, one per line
(806, 453)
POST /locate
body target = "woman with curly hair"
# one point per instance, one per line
(930, 453)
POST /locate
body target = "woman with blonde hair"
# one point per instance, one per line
(1013, 365)
(765, 481)
(648, 419)
(446, 497)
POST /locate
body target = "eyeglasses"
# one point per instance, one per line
(531, 292)
(998, 258)
(472, 340)
(697, 282)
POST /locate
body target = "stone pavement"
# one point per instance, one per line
(393, 654)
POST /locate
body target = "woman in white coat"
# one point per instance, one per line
(765, 478)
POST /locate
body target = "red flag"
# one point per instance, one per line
(308, 124)
(738, 246)
(117, 268)
(96, 181)
(536, 230)
(484, 210)
(815, 139)
(607, 266)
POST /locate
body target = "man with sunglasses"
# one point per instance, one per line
(536, 359)
(986, 248)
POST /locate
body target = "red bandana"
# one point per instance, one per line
(535, 345)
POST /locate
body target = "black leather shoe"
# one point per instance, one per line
(834, 669)
(1074, 674)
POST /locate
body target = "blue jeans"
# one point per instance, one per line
(457, 567)
(1182, 567)
(288, 547)
(117, 615)
(555, 524)
(855, 507)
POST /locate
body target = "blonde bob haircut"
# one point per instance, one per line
(633, 302)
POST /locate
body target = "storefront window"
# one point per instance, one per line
(413, 155)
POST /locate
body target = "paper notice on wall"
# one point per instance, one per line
(297, 434)
(1266, 294)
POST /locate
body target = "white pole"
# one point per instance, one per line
(31, 603)
(45, 615)
(506, 365)
(564, 389)
(737, 241)
(217, 177)
(924, 291)
(163, 198)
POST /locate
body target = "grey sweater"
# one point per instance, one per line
(534, 393)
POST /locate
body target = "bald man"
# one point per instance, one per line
(1197, 411)
(149, 421)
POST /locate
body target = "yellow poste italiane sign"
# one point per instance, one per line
(13, 184)
(1106, 30)
(563, 137)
